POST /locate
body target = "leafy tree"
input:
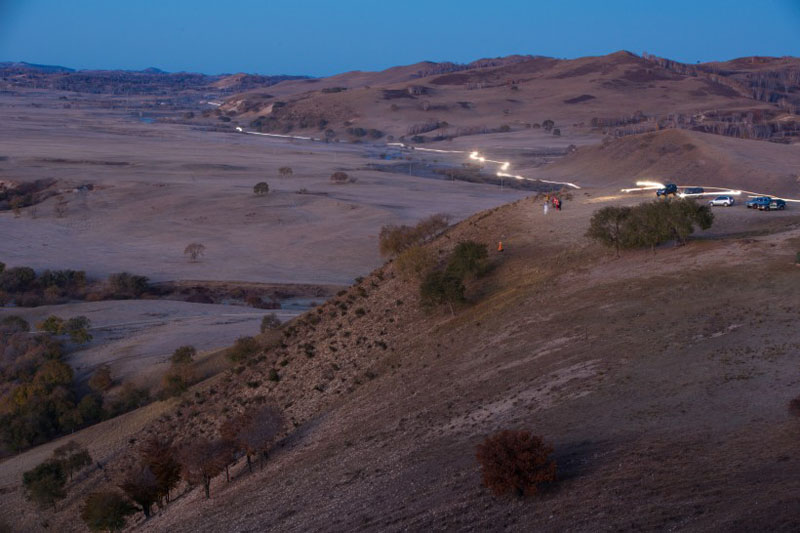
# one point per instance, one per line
(183, 355)
(101, 379)
(17, 279)
(269, 322)
(140, 484)
(607, 226)
(106, 511)
(261, 188)
(515, 462)
(125, 285)
(73, 457)
(194, 250)
(13, 324)
(53, 325)
(44, 485)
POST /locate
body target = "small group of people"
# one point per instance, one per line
(554, 200)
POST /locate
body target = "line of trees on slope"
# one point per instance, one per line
(160, 466)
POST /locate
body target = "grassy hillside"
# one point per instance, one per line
(661, 380)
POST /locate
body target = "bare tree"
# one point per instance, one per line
(194, 251)
(202, 460)
(253, 432)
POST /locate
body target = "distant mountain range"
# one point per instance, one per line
(150, 81)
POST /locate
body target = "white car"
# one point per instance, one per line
(727, 201)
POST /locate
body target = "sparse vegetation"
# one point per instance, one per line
(395, 239)
(515, 462)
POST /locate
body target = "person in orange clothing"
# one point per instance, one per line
(499, 246)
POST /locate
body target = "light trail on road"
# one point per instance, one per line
(717, 191)
(475, 156)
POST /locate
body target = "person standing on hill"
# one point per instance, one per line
(546, 205)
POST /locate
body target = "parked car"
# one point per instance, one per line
(669, 188)
(758, 202)
(688, 191)
(775, 203)
(727, 201)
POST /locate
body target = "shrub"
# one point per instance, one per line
(441, 288)
(183, 355)
(243, 348)
(44, 485)
(415, 262)
(515, 462)
(270, 322)
(177, 380)
(556, 132)
(72, 456)
(106, 511)
(101, 379)
(285, 171)
(394, 239)
(794, 407)
(340, 177)
(261, 188)
(548, 125)
(797, 258)
(14, 324)
(468, 259)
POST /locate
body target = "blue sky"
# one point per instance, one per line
(318, 37)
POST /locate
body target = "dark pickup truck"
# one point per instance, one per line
(669, 188)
